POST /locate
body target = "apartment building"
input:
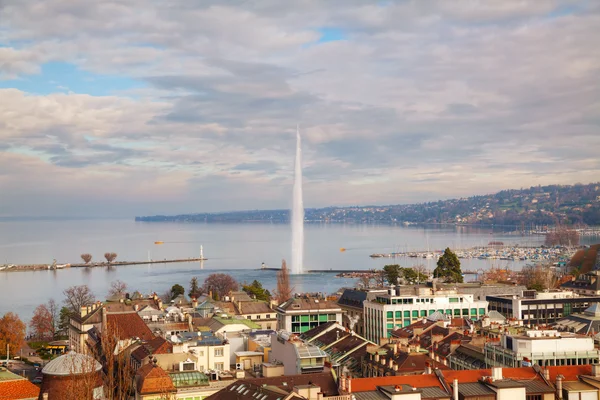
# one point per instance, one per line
(393, 310)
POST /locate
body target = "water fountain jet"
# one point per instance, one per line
(297, 217)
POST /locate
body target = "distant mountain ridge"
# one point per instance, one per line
(577, 204)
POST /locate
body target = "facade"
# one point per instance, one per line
(79, 325)
(585, 285)
(351, 302)
(393, 310)
(537, 308)
(299, 315)
(206, 351)
(548, 347)
(296, 356)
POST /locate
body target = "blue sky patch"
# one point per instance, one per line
(331, 35)
(61, 77)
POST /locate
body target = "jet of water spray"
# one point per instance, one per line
(297, 219)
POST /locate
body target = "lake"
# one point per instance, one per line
(237, 249)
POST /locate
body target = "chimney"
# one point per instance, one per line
(496, 373)
(320, 396)
(194, 302)
(395, 367)
(159, 304)
(559, 392)
(136, 307)
(376, 357)
(240, 307)
(427, 368)
(84, 311)
(349, 385)
(596, 370)
(383, 361)
(455, 389)
(45, 396)
(396, 348)
(343, 382)
(391, 363)
(397, 388)
(546, 372)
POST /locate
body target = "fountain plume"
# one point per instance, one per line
(297, 219)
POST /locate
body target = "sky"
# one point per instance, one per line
(141, 107)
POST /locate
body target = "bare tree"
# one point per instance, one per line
(365, 281)
(54, 310)
(379, 279)
(84, 378)
(538, 277)
(118, 372)
(78, 296)
(562, 236)
(220, 284)
(117, 288)
(284, 289)
(86, 258)
(421, 271)
(110, 257)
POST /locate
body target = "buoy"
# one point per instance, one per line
(158, 242)
(342, 249)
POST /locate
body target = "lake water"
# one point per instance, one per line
(237, 249)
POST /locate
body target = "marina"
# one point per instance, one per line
(494, 252)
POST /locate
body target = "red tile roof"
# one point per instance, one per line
(152, 379)
(18, 389)
(129, 325)
(418, 381)
(467, 376)
(571, 373)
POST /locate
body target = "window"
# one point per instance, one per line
(406, 314)
(390, 314)
(398, 314)
(415, 313)
(249, 317)
(219, 366)
(219, 352)
(482, 311)
(268, 316)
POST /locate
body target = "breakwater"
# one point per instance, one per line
(37, 267)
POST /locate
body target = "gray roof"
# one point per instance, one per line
(438, 316)
(372, 395)
(506, 383)
(474, 389)
(71, 363)
(593, 310)
(353, 298)
(496, 315)
(433, 393)
(536, 386)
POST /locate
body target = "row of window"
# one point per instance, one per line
(268, 316)
(423, 313)
(313, 318)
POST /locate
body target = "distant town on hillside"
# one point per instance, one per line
(577, 204)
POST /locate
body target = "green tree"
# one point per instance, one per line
(412, 276)
(195, 289)
(63, 321)
(255, 289)
(448, 267)
(392, 273)
(176, 290)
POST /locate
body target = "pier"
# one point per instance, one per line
(38, 267)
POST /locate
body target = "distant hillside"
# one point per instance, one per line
(539, 205)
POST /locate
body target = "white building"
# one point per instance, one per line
(392, 310)
(205, 350)
(542, 347)
(301, 314)
(297, 356)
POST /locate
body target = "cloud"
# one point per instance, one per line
(397, 102)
